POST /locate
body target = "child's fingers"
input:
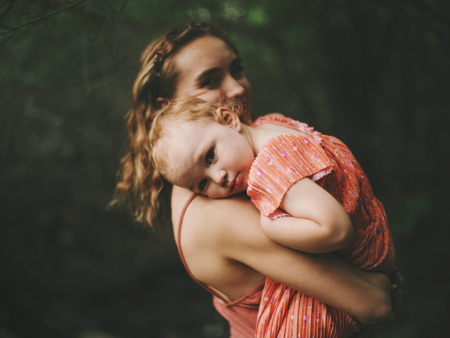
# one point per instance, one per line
(396, 289)
(396, 277)
(276, 115)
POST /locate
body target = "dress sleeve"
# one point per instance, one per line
(284, 160)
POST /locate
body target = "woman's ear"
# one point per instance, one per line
(229, 118)
(161, 102)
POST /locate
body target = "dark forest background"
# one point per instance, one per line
(373, 73)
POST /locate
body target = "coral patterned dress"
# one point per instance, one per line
(284, 160)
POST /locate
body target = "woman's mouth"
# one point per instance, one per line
(245, 105)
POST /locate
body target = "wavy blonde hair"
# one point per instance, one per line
(139, 183)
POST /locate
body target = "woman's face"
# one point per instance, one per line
(209, 69)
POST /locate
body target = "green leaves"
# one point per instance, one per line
(372, 73)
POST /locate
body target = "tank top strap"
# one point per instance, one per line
(206, 287)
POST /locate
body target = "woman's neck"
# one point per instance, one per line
(256, 137)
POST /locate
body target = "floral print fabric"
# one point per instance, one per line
(284, 160)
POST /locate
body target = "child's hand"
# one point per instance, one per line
(396, 289)
(276, 115)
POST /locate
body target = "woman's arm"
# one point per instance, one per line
(319, 223)
(234, 234)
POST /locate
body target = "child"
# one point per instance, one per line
(288, 169)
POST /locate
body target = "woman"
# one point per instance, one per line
(220, 241)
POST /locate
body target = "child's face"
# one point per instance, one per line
(212, 159)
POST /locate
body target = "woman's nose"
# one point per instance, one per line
(233, 88)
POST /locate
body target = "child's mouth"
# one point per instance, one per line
(236, 182)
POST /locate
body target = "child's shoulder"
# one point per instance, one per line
(277, 119)
(283, 160)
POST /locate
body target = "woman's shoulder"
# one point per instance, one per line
(214, 236)
(203, 206)
(217, 226)
(213, 218)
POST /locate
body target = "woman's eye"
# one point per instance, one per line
(202, 185)
(237, 71)
(209, 158)
(210, 82)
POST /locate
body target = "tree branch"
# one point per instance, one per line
(11, 3)
(47, 15)
(114, 19)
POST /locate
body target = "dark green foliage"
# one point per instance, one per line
(372, 73)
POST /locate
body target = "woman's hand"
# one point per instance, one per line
(233, 234)
(396, 301)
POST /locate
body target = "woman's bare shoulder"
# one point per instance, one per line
(218, 233)
(214, 233)
(229, 229)
(213, 217)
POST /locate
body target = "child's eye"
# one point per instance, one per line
(209, 158)
(202, 185)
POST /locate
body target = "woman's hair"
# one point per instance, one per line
(157, 78)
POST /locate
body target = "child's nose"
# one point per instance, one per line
(221, 177)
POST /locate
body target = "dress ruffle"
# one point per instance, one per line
(290, 123)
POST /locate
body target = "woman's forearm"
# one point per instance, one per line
(239, 239)
(365, 296)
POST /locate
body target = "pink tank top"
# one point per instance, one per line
(242, 313)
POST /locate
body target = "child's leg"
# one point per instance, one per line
(287, 313)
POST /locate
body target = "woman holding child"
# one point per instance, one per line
(220, 241)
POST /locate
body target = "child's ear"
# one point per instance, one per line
(229, 118)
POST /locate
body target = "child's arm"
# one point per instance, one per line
(319, 223)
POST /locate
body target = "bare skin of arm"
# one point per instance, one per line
(319, 223)
(233, 255)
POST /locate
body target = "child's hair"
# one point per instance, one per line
(164, 126)
(157, 77)
(171, 118)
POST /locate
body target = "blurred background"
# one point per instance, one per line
(375, 74)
